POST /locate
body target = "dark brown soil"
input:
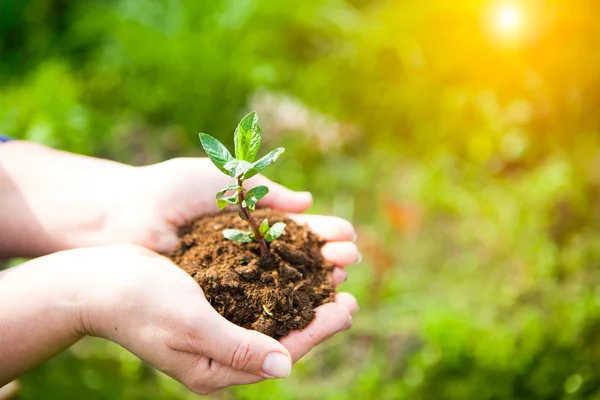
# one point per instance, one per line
(272, 298)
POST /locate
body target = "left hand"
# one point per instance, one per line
(53, 200)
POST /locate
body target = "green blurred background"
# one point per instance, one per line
(461, 137)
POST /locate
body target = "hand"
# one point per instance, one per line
(165, 196)
(68, 201)
(146, 304)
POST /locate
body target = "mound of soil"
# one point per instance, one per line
(271, 296)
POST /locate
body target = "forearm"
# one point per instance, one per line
(38, 318)
(52, 200)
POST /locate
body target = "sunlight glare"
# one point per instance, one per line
(509, 18)
(507, 23)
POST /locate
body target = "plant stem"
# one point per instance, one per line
(264, 249)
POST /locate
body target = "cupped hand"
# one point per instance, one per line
(146, 304)
(162, 197)
(70, 201)
(181, 190)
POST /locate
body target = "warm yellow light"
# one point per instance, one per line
(509, 18)
(508, 22)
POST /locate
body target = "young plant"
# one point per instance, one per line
(247, 142)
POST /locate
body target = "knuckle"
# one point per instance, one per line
(197, 380)
(208, 377)
(242, 355)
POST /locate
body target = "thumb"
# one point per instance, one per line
(242, 349)
(281, 198)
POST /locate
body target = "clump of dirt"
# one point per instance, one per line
(271, 296)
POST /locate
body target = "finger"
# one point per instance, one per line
(330, 228)
(348, 301)
(330, 319)
(210, 375)
(132, 249)
(203, 375)
(233, 346)
(281, 198)
(341, 253)
(339, 275)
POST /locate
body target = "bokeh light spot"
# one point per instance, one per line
(509, 18)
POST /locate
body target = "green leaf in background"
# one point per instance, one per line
(264, 226)
(264, 162)
(247, 138)
(238, 168)
(215, 150)
(275, 231)
(222, 192)
(237, 236)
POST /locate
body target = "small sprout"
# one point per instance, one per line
(247, 141)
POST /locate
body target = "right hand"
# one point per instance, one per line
(145, 303)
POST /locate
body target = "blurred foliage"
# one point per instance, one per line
(465, 148)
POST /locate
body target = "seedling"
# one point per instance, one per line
(247, 142)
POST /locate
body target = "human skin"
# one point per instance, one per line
(126, 293)
(143, 302)
(68, 201)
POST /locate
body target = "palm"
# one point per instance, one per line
(184, 190)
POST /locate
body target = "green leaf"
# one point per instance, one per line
(247, 138)
(255, 194)
(264, 162)
(222, 202)
(237, 236)
(249, 204)
(275, 231)
(264, 227)
(222, 192)
(237, 168)
(215, 150)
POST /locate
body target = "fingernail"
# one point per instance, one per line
(348, 324)
(308, 195)
(277, 365)
(340, 275)
(359, 260)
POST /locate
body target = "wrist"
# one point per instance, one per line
(61, 201)
(53, 282)
(39, 314)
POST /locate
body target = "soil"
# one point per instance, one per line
(272, 296)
